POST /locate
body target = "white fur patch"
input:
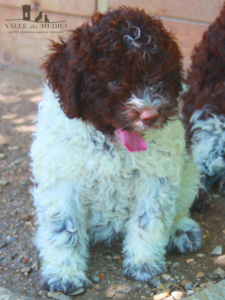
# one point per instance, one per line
(208, 145)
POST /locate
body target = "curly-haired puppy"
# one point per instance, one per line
(109, 155)
(204, 104)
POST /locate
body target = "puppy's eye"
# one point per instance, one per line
(117, 82)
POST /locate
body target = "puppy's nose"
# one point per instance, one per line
(149, 116)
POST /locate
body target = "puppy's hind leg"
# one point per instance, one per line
(185, 233)
(61, 238)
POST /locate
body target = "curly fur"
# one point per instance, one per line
(123, 72)
(204, 103)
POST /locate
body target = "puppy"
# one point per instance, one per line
(204, 104)
(109, 155)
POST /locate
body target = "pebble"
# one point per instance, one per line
(213, 276)
(13, 148)
(200, 274)
(101, 276)
(187, 284)
(190, 292)
(95, 278)
(35, 266)
(42, 293)
(2, 155)
(220, 272)
(208, 284)
(3, 182)
(190, 260)
(58, 296)
(166, 277)
(3, 244)
(116, 257)
(160, 287)
(26, 270)
(217, 251)
(155, 281)
(216, 196)
(26, 217)
(220, 260)
(121, 289)
(200, 254)
(25, 260)
(77, 292)
(162, 295)
(177, 295)
(175, 265)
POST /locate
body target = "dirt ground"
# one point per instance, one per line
(19, 263)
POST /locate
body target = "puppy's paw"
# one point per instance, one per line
(66, 284)
(186, 236)
(145, 271)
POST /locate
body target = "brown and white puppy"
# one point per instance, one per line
(109, 155)
(204, 105)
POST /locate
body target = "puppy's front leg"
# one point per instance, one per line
(147, 236)
(61, 238)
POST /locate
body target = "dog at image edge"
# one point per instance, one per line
(204, 107)
(109, 154)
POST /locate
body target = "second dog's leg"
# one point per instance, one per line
(61, 238)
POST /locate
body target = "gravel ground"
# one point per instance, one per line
(19, 263)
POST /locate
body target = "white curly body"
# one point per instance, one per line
(90, 188)
(207, 145)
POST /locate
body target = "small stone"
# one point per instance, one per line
(120, 289)
(13, 148)
(162, 295)
(3, 182)
(166, 277)
(116, 257)
(220, 260)
(187, 284)
(101, 276)
(3, 244)
(110, 294)
(217, 251)
(42, 293)
(177, 295)
(58, 296)
(175, 265)
(95, 278)
(26, 270)
(25, 260)
(220, 272)
(155, 281)
(160, 287)
(213, 276)
(35, 266)
(190, 260)
(200, 274)
(77, 292)
(26, 217)
(200, 254)
(216, 196)
(190, 292)
(2, 155)
(208, 284)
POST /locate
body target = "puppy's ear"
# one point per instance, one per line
(57, 69)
